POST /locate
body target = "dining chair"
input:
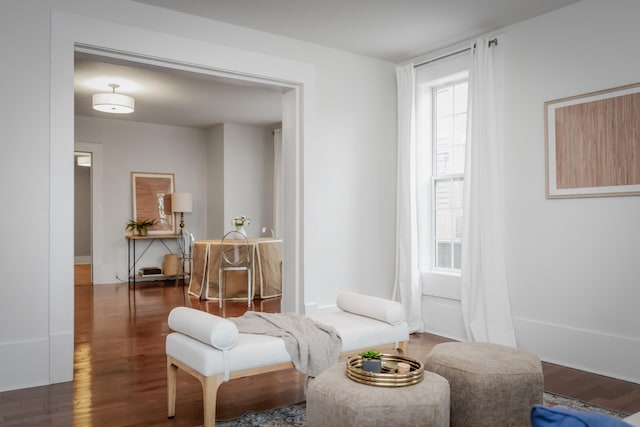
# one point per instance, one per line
(185, 252)
(235, 255)
(267, 232)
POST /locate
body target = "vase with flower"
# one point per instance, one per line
(240, 222)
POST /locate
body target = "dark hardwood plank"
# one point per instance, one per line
(82, 274)
(120, 369)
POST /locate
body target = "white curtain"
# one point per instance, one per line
(406, 288)
(278, 184)
(485, 292)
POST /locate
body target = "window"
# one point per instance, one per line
(441, 130)
(448, 144)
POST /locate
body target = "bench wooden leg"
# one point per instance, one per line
(209, 397)
(209, 390)
(172, 375)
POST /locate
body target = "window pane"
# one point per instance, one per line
(444, 101)
(457, 220)
(457, 164)
(443, 255)
(442, 194)
(457, 187)
(460, 97)
(444, 229)
(444, 130)
(460, 128)
(444, 145)
(457, 252)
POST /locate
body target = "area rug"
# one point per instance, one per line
(551, 399)
(295, 415)
(292, 415)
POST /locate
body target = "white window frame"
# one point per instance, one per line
(435, 282)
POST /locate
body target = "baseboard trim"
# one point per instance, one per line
(586, 350)
(24, 364)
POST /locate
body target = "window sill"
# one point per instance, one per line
(441, 284)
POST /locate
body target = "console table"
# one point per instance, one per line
(132, 258)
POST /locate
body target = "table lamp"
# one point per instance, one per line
(181, 202)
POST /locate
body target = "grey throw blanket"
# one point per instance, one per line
(313, 346)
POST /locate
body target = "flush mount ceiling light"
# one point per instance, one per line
(113, 102)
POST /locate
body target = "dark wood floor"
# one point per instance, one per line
(120, 369)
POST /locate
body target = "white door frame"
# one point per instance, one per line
(71, 32)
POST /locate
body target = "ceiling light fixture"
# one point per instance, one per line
(113, 102)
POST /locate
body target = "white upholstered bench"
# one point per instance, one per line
(211, 349)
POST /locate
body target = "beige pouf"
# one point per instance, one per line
(491, 384)
(335, 400)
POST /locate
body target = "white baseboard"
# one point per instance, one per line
(591, 351)
(24, 364)
(83, 259)
(443, 316)
(104, 274)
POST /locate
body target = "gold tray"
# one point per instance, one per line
(388, 377)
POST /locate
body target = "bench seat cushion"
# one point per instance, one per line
(358, 332)
(250, 351)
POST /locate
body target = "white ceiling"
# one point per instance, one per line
(174, 97)
(394, 31)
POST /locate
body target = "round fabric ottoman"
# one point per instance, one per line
(335, 400)
(491, 384)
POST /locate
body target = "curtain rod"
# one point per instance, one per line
(457, 52)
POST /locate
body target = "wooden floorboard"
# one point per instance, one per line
(82, 274)
(120, 369)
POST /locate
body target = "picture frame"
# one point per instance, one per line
(591, 141)
(152, 199)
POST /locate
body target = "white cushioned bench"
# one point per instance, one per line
(211, 349)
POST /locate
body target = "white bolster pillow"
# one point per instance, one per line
(377, 308)
(206, 327)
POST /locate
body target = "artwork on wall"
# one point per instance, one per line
(152, 199)
(593, 144)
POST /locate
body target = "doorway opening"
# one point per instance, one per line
(82, 162)
(288, 104)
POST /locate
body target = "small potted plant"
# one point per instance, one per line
(141, 226)
(371, 361)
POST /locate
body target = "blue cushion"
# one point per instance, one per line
(542, 416)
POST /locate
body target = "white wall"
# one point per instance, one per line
(215, 180)
(347, 151)
(572, 263)
(248, 176)
(141, 147)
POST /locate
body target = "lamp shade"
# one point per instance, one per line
(181, 202)
(113, 103)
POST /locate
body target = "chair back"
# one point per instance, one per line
(234, 250)
(267, 232)
(185, 243)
